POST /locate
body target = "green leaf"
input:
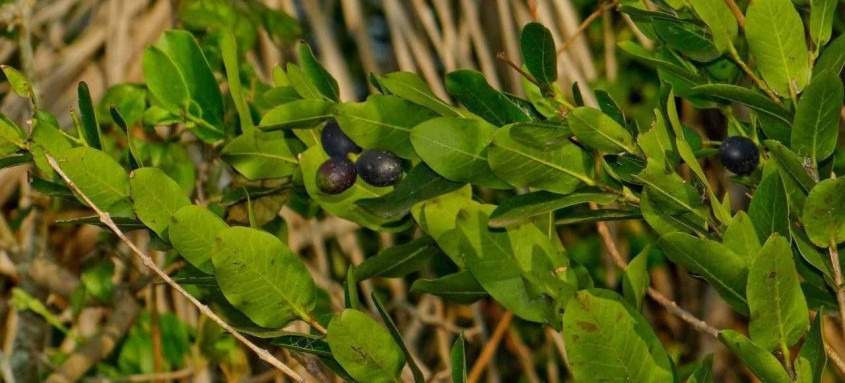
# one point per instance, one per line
(458, 361)
(301, 82)
(156, 197)
(456, 148)
(559, 169)
(832, 58)
(769, 210)
(602, 333)
(778, 308)
(658, 62)
(670, 192)
(822, 13)
(165, 81)
(397, 337)
(460, 287)
(129, 99)
(609, 107)
(591, 216)
(364, 349)
(90, 132)
(319, 76)
(414, 89)
(521, 208)
(229, 51)
(193, 230)
(98, 279)
(100, 178)
(12, 136)
(816, 126)
(688, 38)
(781, 52)
(383, 122)
(812, 351)
(420, 184)
(719, 19)
(260, 155)
(260, 276)
(397, 261)
(763, 364)
(538, 51)
(297, 114)
(741, 237)
(750, 98)
(791, 165)
(15, 160)
(135, 160)
(824, 213)
(20, 84)
(703, 372)
(309, 344)
(721, 267)
(472, 90)
(597, 130)
(636, 280)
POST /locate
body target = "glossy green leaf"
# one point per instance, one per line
(560, 169)
(458, 360)
(602, 333)
(822, 13)
(420, 184)
(824, 213)
(456, 148)
(414, 89)
(658, 143)
(297, 114)
(521, 208)
(155, 198)
(635, 280)
(741, 237)
(383, 122)
(721, 267)
(397, 337)
(301, 82)
(812, 352)
(260, 155)
(703, 372)
(719, 19)
(671, 192)
(791, 165)
(472, 90)
(598, 215)
(20, 84)
(609, 107)
(129, 99)
(658, 62)
(597, 130)
(778, 308)
(460, 287)
(364, 348)
(688, 38)
(769, 210)
(319, 76)
(750, 98)
(260, 276)
(135, 160)
(763, 364)
(397, 261)
(832, 58)
(816, 126)
(781, 53)
(90, 132)
(165, 81)
(193, 230)
(538, 51)
(229, 51)
(12, 136)
(100, 178)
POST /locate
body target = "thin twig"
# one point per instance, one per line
(105, 218)
(585, 24)
(750, 73)
(667, 303)
(834, 356)
(490, 348)
(737, 13)
(837, 278)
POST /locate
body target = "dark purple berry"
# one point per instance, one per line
(335, 142)
(739, 154)
(379, 167)
(336, 175)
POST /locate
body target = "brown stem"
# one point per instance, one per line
(585, 24)
(750, 73)
(667, 303)
(105, 218)
(837, 278)
(834, 356)
(740, 18)
(490, 348)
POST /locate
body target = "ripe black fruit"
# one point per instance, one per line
(379, 167)
(739, 155)
(336, 175)
(335, 142)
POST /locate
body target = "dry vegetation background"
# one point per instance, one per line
(58, 43)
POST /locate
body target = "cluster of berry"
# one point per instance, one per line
(338, 173)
